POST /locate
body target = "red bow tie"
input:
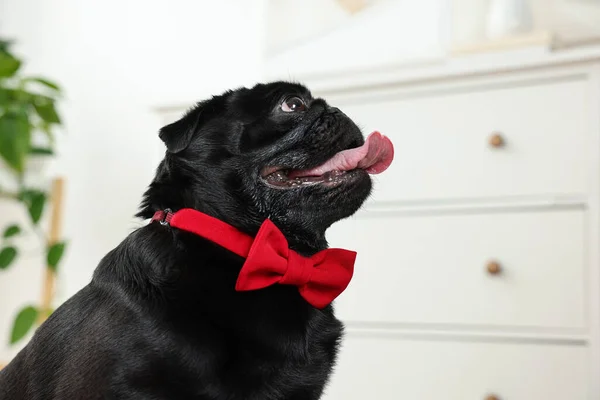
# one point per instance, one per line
(320, 278)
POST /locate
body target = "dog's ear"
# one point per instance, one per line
(178, 135)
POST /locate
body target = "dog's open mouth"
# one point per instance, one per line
(374, 157)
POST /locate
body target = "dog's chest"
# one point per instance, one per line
(285, 367)
(264, 364)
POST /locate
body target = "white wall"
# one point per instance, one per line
(116, 60)
(386, 34)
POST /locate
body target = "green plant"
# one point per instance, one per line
(28, 117)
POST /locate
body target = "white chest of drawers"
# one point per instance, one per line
(478, 274)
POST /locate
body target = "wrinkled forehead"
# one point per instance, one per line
(267, 96)
(280, 89)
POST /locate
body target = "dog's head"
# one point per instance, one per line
(271, 151)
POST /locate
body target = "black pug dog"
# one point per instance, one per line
(161, 318)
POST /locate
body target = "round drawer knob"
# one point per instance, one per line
(492, 397)
(493, 268)
(496, 140)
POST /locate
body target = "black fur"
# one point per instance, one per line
(160, 318)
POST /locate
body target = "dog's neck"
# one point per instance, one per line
(306, 244)
(303, 241)
(160, 196)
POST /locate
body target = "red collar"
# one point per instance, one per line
(319, 278)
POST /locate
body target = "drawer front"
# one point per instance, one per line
(393, 369)
(443, 148)
(436, 269)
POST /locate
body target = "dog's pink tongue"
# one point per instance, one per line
(375, 156)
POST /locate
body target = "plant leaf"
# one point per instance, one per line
(44, 106)
(55, 253)
(23, 97)
(43, 81)
(9, 65)
(4, 45)
(23, 323)
(5, 95)
(15, 138)
(37, 207)
(35, 201)
(12, 230)
(7, 256)
(11, 98)
(43, 151)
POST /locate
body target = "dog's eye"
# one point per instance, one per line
(292, 104)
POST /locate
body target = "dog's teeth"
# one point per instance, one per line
(281, 178)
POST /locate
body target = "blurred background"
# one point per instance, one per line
(478, 273)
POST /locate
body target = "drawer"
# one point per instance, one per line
(434, 269)
(443, 150)
(393, 369)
